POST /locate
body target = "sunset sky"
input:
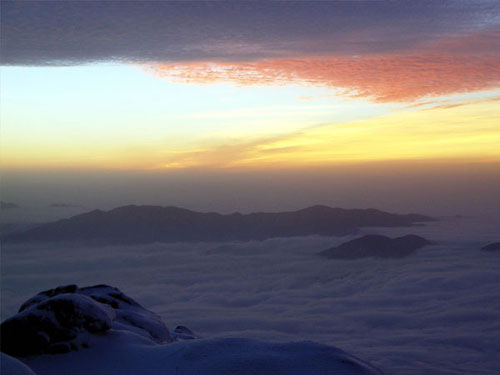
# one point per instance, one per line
(222, 86)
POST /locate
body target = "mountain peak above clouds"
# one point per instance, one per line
(373, 245)
(147, 224)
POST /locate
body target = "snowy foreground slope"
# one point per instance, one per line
(99, 330)
(125, 353)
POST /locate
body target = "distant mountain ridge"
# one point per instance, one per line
(147, 224)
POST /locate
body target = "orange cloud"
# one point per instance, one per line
(402, 78)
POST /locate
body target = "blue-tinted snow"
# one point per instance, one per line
(122, 352)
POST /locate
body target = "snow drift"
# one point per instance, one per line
(99, 330)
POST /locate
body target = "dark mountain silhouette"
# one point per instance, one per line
(373, 245)
(146, 224)
(495, 246)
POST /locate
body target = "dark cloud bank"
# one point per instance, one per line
(74, 32)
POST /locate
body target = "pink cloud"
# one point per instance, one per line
(457, 64)
(400, 78)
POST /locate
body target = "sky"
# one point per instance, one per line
(211, 104)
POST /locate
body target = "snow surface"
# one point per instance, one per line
(12, 366)
(122, 352)
(434, 312)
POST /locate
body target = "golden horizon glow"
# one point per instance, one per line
(469, 131)
(448, 132)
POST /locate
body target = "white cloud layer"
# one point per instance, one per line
(435, 312)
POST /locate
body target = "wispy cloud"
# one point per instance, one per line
(218, 154)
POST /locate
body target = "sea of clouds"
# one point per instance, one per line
(435, 312)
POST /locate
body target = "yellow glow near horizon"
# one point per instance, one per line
(469, 131)
(466, 131)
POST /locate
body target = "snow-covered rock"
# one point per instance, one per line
(130, 315)
(54, 325)
(60, 320)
